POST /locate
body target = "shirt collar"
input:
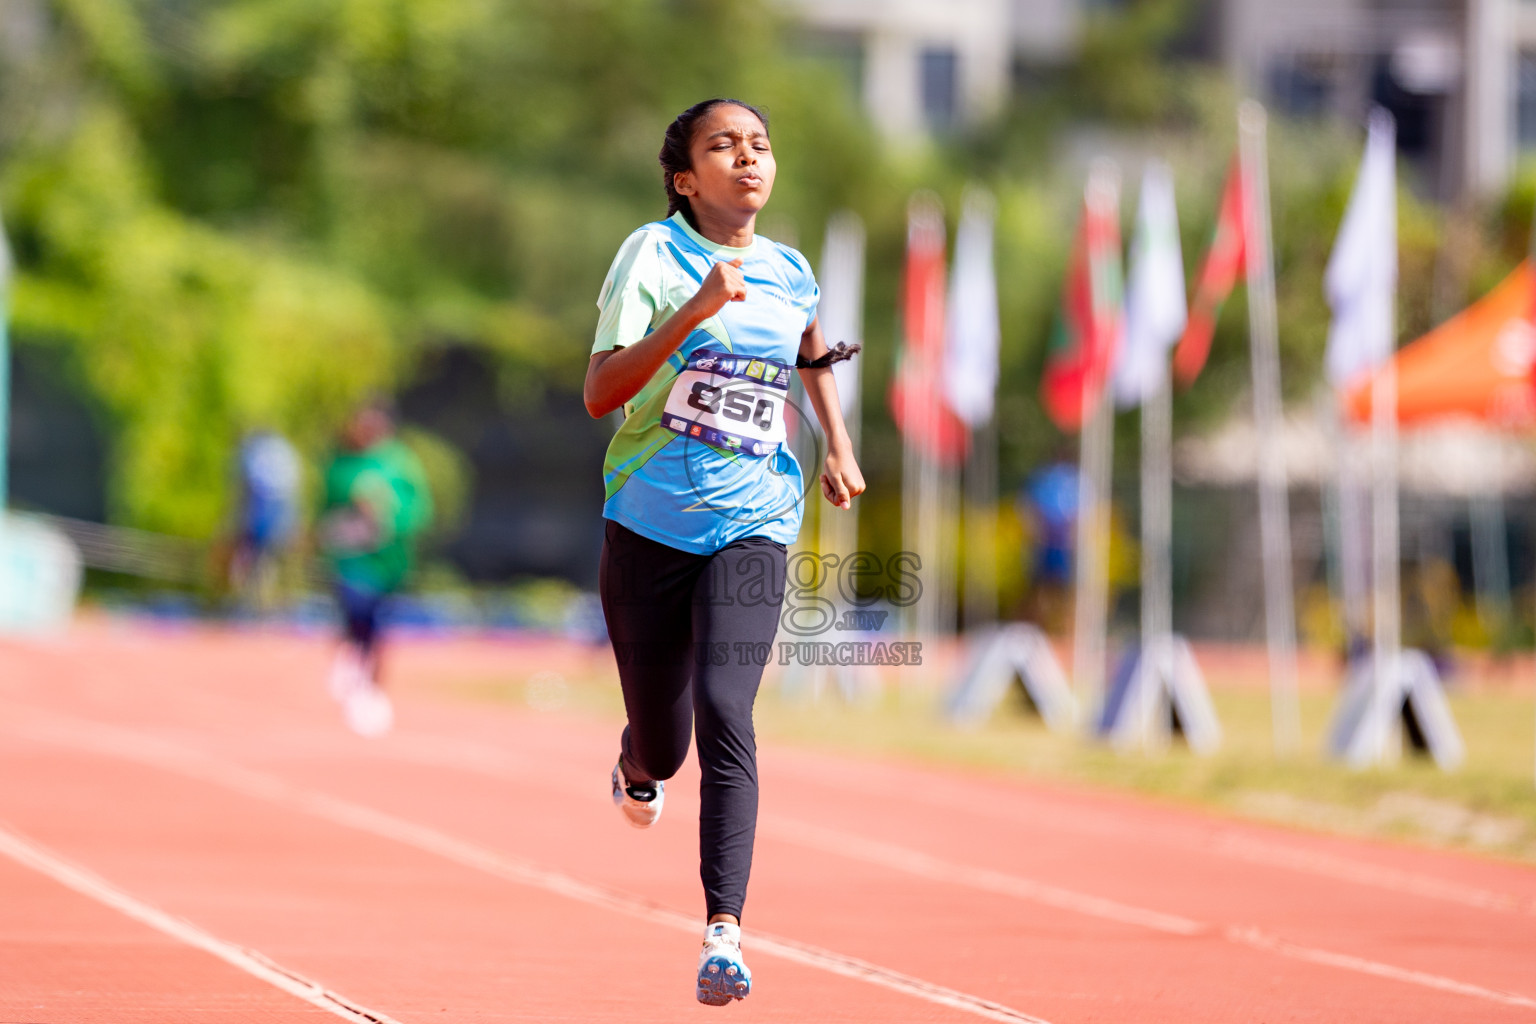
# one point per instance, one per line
(708, 246)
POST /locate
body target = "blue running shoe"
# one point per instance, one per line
(723, 975)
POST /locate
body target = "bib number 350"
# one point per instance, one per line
(729, 402)
(733, 405)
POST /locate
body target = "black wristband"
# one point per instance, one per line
(836, 354)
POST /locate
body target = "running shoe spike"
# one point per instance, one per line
(723, 975)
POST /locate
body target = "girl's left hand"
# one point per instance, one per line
(841, 480)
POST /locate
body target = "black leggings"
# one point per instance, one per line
(691, 634)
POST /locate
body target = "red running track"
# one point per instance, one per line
(187, 833)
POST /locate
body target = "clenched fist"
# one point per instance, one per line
(723, 284)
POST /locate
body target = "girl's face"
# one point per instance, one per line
(732, 164)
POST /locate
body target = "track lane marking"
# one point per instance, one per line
(1222, 841)
(923, 865)
(1260, 940)
(1252, 850)
(478, 758)
(905, 859)
(475, 758)
(31, 854)
(158, 753)
(1229, 843)
(882, 854)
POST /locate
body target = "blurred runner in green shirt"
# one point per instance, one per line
(376, 502)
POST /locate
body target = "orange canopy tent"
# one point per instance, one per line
(1475, 365)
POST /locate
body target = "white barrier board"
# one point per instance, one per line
(40, 574)
(1016, 651)
(1148, 692)
(1366, 712)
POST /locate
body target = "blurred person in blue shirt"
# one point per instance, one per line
(268, 473)
(1048, 501)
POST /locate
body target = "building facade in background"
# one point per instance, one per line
(1459, 75)
(924, 67)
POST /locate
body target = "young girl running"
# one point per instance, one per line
(701, 321)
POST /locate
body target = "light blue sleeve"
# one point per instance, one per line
(631, 294)
(807, 294)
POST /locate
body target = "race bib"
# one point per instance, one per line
(730, 401)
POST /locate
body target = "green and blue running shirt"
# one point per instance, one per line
(700, 460)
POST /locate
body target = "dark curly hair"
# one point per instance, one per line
(679, 140)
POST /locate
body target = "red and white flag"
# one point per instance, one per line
(1225, 262)
(916, 396)
(1087, 333)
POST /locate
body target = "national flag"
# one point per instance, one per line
(1225, 262)
(970, 363)
(1155, 313)
(1087, 333)
(1361, 279)
(916, 397)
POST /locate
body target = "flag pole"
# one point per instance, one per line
(1090, 616)
(5, 372)
(1156, 316)
(932, 486)
(921, 473)
(842, 313)
(1384, 549)
(1156, 539)
(970, 384)
(1274, 510)
(981, 528)
(1386, 585)
(1530, 256)
(910, 464)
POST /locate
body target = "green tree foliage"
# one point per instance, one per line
(254, 212)
(242, 213)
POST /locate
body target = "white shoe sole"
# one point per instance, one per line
(639, 813)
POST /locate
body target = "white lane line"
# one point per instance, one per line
(1229, 844)
(183, 761)
(448, 751)
(1375, 876)
(915, 862)
(141, 747)
(1225, 843)
(30, 854)
(904, 859)
(1259, 940)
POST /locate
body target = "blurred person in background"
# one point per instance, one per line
(376, 502)
(701, 322)
(1048, 502)
(267, 482)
